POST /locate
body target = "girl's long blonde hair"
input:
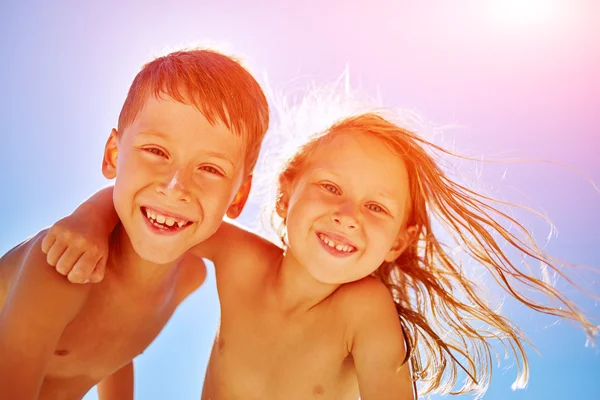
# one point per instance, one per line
(440, 308)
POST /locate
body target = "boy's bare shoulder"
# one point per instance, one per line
(37, 302)
(25, 261)
(12, 260)
(25, 265)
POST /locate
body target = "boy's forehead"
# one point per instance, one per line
(164, 109)
(170, 117)
(167, 119)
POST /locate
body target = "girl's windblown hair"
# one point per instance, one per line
(447, 321)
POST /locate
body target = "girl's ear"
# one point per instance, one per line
(405, 237)
(283, 198)
(281, 203)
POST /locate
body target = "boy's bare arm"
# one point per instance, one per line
(378, 347)
(118, 386)
(38, 306)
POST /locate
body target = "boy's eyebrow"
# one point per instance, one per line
(153, 132)
(211, 153)
(222, 156)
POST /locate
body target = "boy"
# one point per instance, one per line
(187, 140)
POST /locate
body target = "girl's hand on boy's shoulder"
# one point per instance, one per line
(77, 248)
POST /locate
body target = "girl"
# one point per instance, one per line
(359, 255)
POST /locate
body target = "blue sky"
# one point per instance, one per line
(520, 78)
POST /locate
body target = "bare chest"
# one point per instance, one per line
(257, 355)
(110, 331)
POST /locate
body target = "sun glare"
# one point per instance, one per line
(524, 12)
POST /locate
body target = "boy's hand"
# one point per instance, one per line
(77, 249)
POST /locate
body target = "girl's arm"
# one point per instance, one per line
(378, 345)
(77, 245)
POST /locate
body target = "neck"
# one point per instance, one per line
(127, 266)
(296, 290)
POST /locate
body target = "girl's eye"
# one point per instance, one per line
(211, 170)
(156, 151)
(375, 208)
(330, 188)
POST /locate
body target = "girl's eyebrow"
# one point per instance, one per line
(326, 170)
(384, 194)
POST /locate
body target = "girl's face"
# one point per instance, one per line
(346, 209)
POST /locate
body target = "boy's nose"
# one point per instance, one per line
(175, 187)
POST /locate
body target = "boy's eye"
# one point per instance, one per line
(330, 188)
(211, 170)
(156, 151)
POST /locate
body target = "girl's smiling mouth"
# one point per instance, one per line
(335, 244)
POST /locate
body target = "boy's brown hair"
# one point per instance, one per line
(216, 84)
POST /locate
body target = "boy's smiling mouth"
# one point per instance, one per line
(167, 223)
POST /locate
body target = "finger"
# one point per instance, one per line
(83, 268)
(48, 241)
(98, 273)
(68, 258)
(57, 249)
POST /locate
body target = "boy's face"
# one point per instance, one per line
(346, 210)
(176, 177)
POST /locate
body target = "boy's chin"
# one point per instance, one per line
(156, 256)
(160, 259)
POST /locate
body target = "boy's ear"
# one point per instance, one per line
(238, 203)
(109, 161)
(402, 241)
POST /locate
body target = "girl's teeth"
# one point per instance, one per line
(180, 223)
(170, 221)
(160, 219)
(330, 243)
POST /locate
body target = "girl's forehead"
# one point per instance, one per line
(363, 160)
(350, 147)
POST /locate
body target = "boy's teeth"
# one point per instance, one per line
(161, 219)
